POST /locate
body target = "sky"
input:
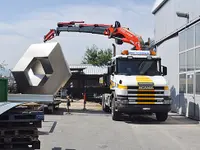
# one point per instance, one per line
(25, 22)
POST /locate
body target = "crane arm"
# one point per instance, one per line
(120, 34)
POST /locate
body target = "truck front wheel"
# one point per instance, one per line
(161, 116)
(115, 115)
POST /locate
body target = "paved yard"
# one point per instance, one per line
(95, 130)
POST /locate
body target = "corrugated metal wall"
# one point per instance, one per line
(166, 20)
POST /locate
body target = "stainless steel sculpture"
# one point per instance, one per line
(42, 69)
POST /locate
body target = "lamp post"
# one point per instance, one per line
(183, 15)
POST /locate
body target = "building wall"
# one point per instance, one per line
(189, 70)
(169, 52)
(166, 19)
(181, 55)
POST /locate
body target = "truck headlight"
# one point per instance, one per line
(166, 91)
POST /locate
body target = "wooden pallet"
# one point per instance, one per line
(18, 132)
(18, 139)
(20, 124)
(19, 128)
(20, 146)
(22, 115)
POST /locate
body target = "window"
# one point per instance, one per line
(182, 83)
(190, 38)
(138, 67)
(197, 59)
(190, 79)
(197, 35)
(190, 60)
(182, 62)
(182, 41)
(198, 83)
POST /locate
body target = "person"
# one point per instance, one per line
(70, 93)
(68, 104)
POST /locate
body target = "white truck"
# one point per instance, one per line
(137, 85)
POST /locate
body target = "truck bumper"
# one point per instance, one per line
(142, 109)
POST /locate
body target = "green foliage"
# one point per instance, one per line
(96, 56)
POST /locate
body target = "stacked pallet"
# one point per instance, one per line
(19, 128)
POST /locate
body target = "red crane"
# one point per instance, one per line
(120, 34)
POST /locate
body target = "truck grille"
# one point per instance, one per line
(141, 96)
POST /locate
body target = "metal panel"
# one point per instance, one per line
(44, 99)
(42, 69)
(7, 106)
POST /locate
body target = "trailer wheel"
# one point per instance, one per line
(161, 116)
(115, 115)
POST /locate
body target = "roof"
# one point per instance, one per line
(134, 56)
(157, 5)
(89, 69)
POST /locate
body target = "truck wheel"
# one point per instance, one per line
(115, 114)
(161, 116)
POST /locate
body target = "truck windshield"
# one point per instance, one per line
(138, 67)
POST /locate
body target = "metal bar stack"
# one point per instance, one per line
(19, 128)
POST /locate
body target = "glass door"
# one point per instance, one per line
(197, 95)
(190, 96)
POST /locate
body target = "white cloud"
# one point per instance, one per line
(16, 37)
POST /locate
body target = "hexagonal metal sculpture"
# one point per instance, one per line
(42, 69)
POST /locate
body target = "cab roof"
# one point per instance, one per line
(135, 56)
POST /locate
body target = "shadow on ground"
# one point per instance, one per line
(51, 130)
(63, 111)
(173, 118)
(151, 120)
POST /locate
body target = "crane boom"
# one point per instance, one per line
(120, 34)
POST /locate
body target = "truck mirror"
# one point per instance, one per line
(164, 70)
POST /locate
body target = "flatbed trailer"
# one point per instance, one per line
(48, 101)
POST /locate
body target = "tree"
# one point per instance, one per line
(96, 56)
(2, 65)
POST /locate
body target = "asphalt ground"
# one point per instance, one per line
(92, 129)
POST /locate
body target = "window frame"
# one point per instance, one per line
(197, 24)
(185, 82)
(196, 83)
(186, 50)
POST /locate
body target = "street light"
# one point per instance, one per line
(183, 15)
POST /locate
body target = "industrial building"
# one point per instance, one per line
(177, 38)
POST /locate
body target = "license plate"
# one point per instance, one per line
(146, 86)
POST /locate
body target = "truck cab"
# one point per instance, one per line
(137, 85)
